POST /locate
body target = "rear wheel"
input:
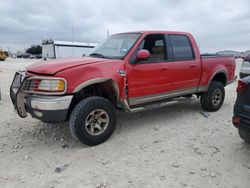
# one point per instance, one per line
(244, 135)
(213, 99)
(93, 120)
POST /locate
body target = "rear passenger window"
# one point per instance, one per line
(182, 49)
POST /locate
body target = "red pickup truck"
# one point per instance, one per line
(132, 72)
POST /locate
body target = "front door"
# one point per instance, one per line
(147, 79)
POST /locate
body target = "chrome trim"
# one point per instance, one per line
(162, 96)
(46, 78)
(122, 73)
(50, 103)
(151, 106)
(95, 81)
(124, 105)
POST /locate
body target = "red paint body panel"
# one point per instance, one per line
(210, 66)
(142, 79)
(148, 79)
(52, 67)
(103, 69)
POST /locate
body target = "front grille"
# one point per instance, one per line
(29, 85)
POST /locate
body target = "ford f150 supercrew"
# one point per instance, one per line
(132, 72)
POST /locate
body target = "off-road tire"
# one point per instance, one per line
(207, 98)
(245, 135)
(80, 113)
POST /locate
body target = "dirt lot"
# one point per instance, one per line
(175, 146)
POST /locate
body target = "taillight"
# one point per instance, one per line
(236, 120)
(242, 86)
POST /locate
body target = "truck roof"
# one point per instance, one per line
(158, 32)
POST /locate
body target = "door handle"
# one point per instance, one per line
(194, 65)
(164, 69)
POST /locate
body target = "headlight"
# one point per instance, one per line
(51, 85)
(45, 85)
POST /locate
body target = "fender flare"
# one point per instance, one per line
(96, 81)
(216, 73)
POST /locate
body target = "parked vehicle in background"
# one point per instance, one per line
(131, 72)
(241, 118)
(6, 53)
(26, 55)
(53, 49)
(2, 55)
(23, 55)
(32, 57)
(245, 67)
(38, 56)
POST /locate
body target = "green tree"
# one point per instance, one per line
(34, 49)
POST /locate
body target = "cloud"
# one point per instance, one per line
(216, 25)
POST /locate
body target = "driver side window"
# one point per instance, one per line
(155, 44)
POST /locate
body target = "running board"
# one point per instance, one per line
(154, 105)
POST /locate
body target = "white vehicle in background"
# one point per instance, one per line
(245, 67)
(53, 49)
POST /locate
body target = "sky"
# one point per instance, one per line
(216, 25)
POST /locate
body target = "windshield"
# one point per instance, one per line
(116, 46)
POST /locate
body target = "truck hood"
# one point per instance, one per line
(51, 67)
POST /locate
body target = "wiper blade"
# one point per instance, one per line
(97, 55)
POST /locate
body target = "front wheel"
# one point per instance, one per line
(93, 120)
(213, 99)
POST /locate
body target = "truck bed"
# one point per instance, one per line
(214, 63)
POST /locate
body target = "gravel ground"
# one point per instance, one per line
(175, 146)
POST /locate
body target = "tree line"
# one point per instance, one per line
(34, 49)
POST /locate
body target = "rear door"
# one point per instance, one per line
(184, 67)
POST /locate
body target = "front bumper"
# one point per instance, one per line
(45, 108)
(48, 109)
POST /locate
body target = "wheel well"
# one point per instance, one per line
(104, 89)
(220, 77)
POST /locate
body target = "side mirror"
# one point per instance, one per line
(142, 55)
